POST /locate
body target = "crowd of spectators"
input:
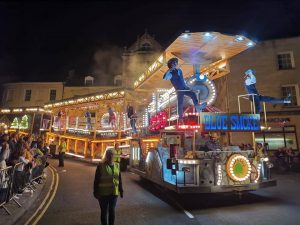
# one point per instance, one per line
(27, 155)
(286, 157)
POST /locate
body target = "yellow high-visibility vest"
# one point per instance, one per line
(117, 155)
(109, 180)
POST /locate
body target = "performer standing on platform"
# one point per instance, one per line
(132, 116)
(175, 75)
(59, 115)
(88, 117)
(250, 81)
(111, 118)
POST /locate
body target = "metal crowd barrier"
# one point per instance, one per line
(12, 181)
(5, 184)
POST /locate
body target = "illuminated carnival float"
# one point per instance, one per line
(92, 123)
(31, 120)
(161, 149)
(180, 159)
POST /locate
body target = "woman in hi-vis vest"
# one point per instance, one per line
(108, 186)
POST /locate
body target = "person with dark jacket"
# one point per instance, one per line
(132, 117)
(108, 186)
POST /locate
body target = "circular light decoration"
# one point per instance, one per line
(204, 88)
(238, 167)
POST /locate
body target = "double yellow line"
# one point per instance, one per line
(38, 214)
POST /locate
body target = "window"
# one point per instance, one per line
(275, 140)
(291, 140)
(285, 60)
(118, 82)
(286, 137)
(27, 95)
(52, 95)
(294, 91)
(89, 80)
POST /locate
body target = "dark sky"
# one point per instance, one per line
(42, 41)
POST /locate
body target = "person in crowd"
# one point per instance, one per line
(249, 147)
(46, 149)
(280, 153)
(4, 151)
(107, 187)
(12, 143)
(111, 117)
(62, 148)
(280, 159)
(260, 156)
(175, 75)
(250, 82)
(213, 143)
(132, 117)
(88, 117)
(259, 152)
(27, 149)
(40, 143)
(290, 157)
(38, 160)
(21, 172)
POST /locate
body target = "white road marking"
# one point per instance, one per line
(188, 214)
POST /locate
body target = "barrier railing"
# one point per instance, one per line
(5, 183)
(14, 181)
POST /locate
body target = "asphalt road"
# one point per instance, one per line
(145, 203)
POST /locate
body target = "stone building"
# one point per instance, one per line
(30, 94)
(277, 71)
(138, 57)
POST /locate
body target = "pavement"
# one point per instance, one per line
(145, 203)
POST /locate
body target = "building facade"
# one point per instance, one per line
(276, 63)
(137, 58)
(30, 94)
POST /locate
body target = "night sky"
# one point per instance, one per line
(43, 41)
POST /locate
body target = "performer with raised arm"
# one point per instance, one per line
(250, 81)
(175, 75)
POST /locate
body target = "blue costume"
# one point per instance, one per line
(250, 81)
(177, 80)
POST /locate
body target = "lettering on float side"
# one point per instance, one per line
(230, 122)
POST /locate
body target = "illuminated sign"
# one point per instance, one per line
(230, 122)
(107, 134)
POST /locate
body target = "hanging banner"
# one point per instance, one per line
(230, 122)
